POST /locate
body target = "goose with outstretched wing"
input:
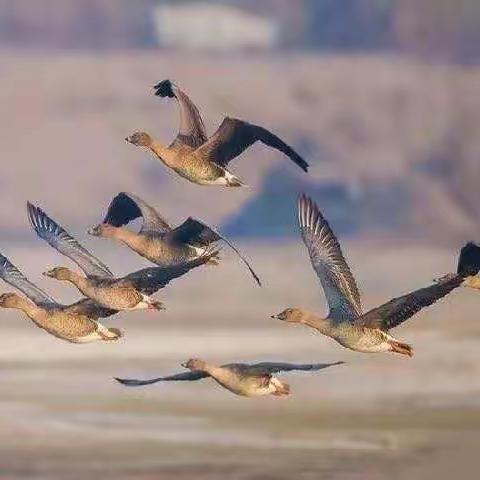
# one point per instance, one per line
(131, 292)
(76, 323)
(346, 322)
(157, 241)
(12, 275)
(250, 380)
(203, 160)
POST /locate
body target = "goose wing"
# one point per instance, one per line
(150, 280)
(90, 309)
(400, 309)
(13, 276)
(235, 136)
(276, 367)
(62, 241)
(177, 377)
(195, 232)
(192, 130)
(126, 207)
(329, 263)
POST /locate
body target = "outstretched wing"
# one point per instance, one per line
(63, 242)
(192, 130)
(195, 232)
(235, 136)
(328, 262)
(150, 280)
(397, 310)
(126, 207)
(276, 367)
(177, 377)
(13, 276)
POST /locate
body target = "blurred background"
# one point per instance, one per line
(382, 97)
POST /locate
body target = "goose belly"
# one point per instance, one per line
(167, 255)
(117, 298)
(365, 341)
(198, 170)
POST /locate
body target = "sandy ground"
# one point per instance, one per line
(63, 416)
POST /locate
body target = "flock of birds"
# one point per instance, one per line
(177, 250)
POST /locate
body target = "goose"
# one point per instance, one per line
(346, 322)
(10, 274)
(248, 380)
(157, 241)
(131, 292)
(203, 160)
(62, 323)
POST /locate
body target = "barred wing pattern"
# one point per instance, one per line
(191, 131)
(126, 207)
(13, 276)
(63, 242)
(329, 263)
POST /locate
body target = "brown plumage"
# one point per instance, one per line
(63, 324)
(157, 240)
(14, 277)
(345, 322)
(204, 161)
(249, 380)
(125, 293)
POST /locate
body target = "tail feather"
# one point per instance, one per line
(469, 260)
(164, 89)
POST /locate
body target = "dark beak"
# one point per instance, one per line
(184, 364)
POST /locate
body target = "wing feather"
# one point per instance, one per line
(197, 233)
(126, 207)
(398, 310)
(234, 136)
(63, 242)
(191, 131)
(328, 262)
(13, 276)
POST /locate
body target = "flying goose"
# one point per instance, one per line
(249, 380)
(61, 323)
(204, 160)
(10, 274)
(157, 241)
(131, 292)
(346, 323)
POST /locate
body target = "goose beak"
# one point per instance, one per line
(275, 317)
(46, 274)
(184, 364)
